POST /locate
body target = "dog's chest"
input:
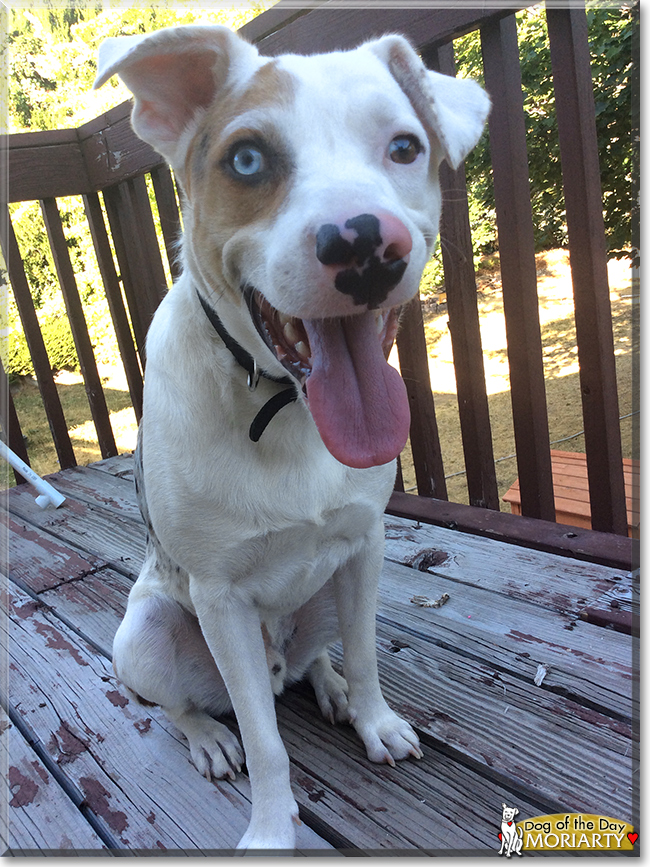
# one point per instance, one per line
(282, 569)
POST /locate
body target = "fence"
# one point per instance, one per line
(107, 165)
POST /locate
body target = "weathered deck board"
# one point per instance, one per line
(130, 770)
(547, 580)
(513, 636)
(475, 617)
(463, 674)
(93, 487)
(37, 814)
(118, 541)
(416, 802)
(528, 737)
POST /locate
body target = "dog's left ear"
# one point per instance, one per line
(454, 109)
(174, 73)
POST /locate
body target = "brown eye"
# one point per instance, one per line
(404, 149)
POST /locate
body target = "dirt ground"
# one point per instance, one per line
(560, 358)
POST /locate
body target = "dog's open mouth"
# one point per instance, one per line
(358, 401)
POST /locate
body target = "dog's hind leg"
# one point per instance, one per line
(316, 627)
(160, 654)
(330, 688)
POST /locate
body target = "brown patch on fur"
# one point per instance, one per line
(269, 86)
(224, 203)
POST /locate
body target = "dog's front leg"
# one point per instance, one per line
(386, 736)
(232, 629)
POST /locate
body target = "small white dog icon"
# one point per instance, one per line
(511, 836)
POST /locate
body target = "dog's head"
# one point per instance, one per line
(508, 813)
(312, 201)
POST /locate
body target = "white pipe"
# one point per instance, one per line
(47, 494)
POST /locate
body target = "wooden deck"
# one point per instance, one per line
(517, 699)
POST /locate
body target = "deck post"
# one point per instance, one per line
(576, 121)
(464, 324)
(518, 268)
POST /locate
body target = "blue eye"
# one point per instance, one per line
(248, 160)
(404, 149)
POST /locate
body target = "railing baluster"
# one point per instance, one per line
(10, 423)
(170, 221)
(35, 342)
(143, 277)
(576, 122)
(121, 222)
(518, 269)
(114, 298)
(79, 328)
(464, 325)
(414, 366)
(156, 283)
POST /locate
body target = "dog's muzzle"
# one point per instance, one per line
(340, 364)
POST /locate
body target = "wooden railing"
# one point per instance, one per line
(104, 158)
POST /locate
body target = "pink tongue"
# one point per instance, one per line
(358, 401)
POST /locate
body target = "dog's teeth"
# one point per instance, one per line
(283, 318)
(302, 350)
(291, 334)
(380, 323)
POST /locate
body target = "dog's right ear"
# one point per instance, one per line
(173, 74)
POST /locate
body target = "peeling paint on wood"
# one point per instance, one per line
(23, 789)
(98, 799)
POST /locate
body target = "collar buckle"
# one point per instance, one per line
(253, 376)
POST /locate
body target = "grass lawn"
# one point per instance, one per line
(560, 361)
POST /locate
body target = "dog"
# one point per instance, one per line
(511, 836)
(272, 419)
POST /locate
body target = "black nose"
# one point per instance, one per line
(333, 249)
(369, 269)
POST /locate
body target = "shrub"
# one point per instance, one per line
(58, 343)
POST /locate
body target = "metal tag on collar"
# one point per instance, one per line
(253, 377)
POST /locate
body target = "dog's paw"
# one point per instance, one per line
(331, 690)
(388, 738)
(332, 696)
(271, 831)
(214, 749)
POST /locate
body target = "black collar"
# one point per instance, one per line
(246, 360)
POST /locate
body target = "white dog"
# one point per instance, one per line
(272, 418)
(511, 836)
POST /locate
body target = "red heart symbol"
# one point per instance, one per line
(500, 837)
(509, 823)
(633, 837)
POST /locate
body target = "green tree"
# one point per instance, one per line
(612, 32)
(52, 66)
